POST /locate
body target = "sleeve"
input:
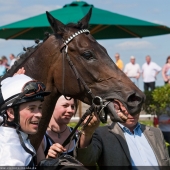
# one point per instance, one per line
(157, 68)
(89, 156)
(165, 149)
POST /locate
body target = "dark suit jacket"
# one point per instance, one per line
(109, 148)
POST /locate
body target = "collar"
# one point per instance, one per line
(125, 129)
(8, 131)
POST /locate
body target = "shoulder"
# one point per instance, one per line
(102, 129)
(128, 64)
(150, 128)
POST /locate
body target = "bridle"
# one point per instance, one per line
(96, 100)
(64, 49)
(98, 104)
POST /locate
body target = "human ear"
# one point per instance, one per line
(10, 113)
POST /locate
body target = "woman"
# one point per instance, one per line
(21, 100)
(58, 130)
(166, 71)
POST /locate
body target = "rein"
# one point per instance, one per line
(97, 102)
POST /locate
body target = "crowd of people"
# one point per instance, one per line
(5, 64)
(148, 71)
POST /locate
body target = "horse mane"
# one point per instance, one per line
(24, 55)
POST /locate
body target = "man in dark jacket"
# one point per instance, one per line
(122, 144)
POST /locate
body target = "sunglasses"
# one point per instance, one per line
(33, 87)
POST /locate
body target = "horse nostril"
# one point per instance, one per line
(134, 99)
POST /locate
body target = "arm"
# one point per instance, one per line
(157, 70)
(88, 131)
(55, 150)
(165, 150)
(20, 71)
(52, 152)
(164, 73)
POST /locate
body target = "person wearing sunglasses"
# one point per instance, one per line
(21, 100)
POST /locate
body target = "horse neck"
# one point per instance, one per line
(39, 64)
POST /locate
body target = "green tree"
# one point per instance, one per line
(158, 101)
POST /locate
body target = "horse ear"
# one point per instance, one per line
(56, 25)
(83, 23)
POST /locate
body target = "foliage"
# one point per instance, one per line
(145, 122)
(148, 102)
(158, 101)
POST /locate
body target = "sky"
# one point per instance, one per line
(157, 11)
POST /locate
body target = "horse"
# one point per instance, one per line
(71, 62)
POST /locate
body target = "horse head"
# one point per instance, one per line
(92, 64)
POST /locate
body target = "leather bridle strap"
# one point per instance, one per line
(78, 77)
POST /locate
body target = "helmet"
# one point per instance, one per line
(20, 89)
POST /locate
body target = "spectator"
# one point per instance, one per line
(13, 59)
(149, 73)
(132, 70)
(5, 62)
(122, 144)
(2, 68)
(166, 70)
(58, 130)
(119, 62)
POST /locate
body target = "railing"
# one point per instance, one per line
(75, 119)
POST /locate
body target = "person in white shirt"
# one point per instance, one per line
(13, 59)
(132, 70)
(149, 73)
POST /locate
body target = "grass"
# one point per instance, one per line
(145, 122)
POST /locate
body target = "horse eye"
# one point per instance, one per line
(88, 55)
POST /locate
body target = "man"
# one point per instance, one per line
(21, 100)
(13, 59)
(132, 70)
(149, 73)
(122, 144)
(119, 62)
(5, 62)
